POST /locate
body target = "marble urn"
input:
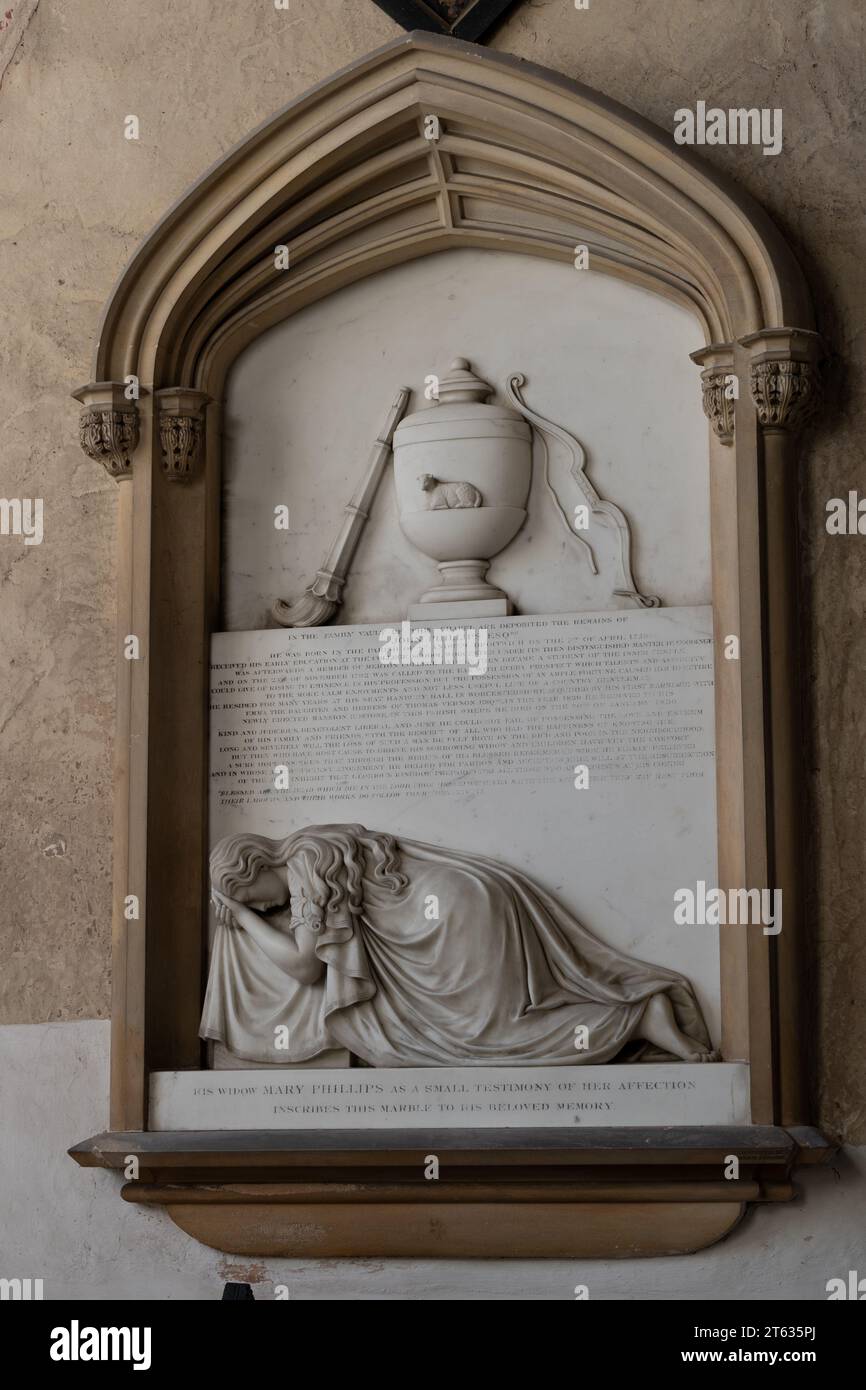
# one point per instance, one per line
(462, 471)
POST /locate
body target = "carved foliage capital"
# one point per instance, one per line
(180, 438)
(718, 388)
(110, 438)
(181, 431)
(785, 392)
(108, 426)
(785, 376)
(719, 403)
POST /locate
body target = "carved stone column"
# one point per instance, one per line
(719, 387)
(181, 430)
(785, 388)
(108, 427)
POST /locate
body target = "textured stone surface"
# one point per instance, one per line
(77, 197)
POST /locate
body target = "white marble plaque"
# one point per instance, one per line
(453, 1097)
(486, 762)
(631, 693)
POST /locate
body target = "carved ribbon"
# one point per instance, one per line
(603, 511)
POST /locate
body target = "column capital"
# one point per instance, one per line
(785, 375)
(181, 430)
(108, 425)
(719, 388)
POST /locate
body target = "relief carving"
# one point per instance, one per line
(325, 932)
(440, 495)
(463, 525)
(719, 403)
(181, 431)
(110, 437)
(180, 438)
(108, 427)
(603, 511)
(321, 600)
(785, 392)
(784, 376)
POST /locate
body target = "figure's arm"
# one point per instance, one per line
(294, 954)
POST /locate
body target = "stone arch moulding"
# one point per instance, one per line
(347, 179)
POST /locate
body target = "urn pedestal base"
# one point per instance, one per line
(463, 593)
(448, 611)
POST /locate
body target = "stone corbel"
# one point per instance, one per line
(181, 430)
(785, 379)
(108, 427)
(718, 387)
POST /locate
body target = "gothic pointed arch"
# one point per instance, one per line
(424, 145)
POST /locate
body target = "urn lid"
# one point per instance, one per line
(461, 384)
(460, 396)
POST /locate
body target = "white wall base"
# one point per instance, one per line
(69, 1227)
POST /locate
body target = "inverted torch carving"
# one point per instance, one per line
(322, 599)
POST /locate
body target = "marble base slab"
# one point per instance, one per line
(220, 1059)
(467, 608)
(713, 1093)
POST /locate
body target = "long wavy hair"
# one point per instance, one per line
(342, 857)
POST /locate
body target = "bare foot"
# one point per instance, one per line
(659, 1027)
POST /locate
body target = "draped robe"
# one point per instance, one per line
(504, 976)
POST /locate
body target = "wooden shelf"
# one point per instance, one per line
(605, 1192)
